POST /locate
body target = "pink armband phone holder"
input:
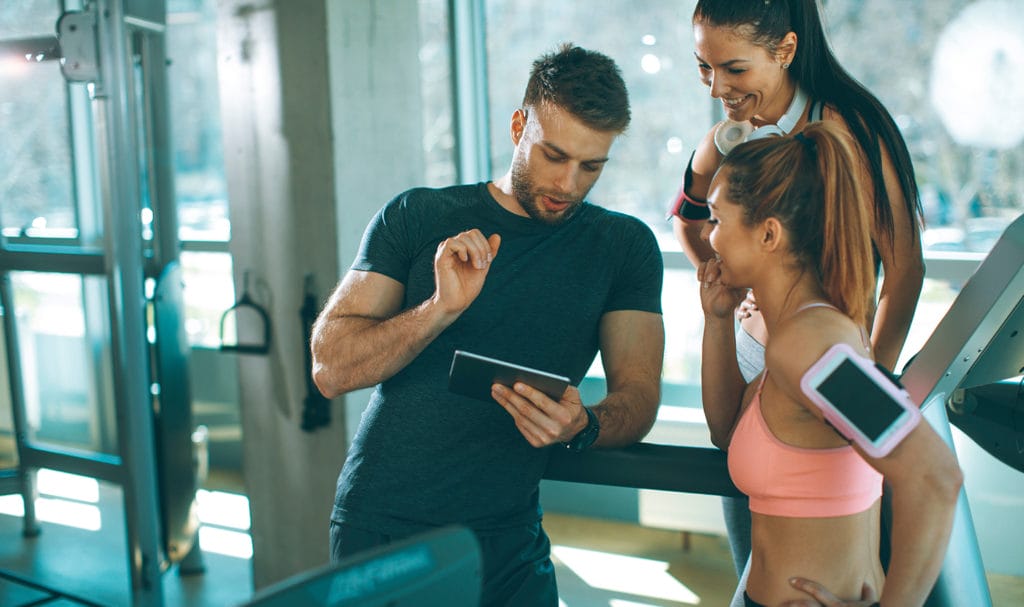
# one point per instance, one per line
(863, 403)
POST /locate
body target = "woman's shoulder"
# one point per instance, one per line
(706, 157)
(798, 342)
(818, 321)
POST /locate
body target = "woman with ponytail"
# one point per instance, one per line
(770, 64)
(788, 221)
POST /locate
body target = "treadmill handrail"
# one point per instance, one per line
(646, 466)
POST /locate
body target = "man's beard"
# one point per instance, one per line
(523, 190)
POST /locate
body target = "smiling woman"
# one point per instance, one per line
(764, 62)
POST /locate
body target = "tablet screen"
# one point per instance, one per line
(472, 375)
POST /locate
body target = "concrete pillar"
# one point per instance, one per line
(321, 120)
(278, 156)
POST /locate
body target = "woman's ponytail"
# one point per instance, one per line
(845, 263)
(811, 182)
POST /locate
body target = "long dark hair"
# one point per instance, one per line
(817, 71)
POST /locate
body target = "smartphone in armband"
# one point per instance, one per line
(864, 403)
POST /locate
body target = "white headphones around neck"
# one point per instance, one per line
(731, 133)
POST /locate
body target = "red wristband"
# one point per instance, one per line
(686, 207)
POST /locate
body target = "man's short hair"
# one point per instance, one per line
(586, 83)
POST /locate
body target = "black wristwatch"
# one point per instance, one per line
(586, 436)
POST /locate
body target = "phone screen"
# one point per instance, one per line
(860, 400)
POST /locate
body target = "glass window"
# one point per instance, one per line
(950, 102)
(208, 292)
(8, 450)
(36, 183)
(435, 87)
(29, 18)
(64, 349)
(684, 326)
(200, 185)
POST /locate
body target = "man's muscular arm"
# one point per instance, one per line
(362, 337)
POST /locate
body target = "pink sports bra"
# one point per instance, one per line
(783, 480)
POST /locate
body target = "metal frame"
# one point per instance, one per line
(121, 106)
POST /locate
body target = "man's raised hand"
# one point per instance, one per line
(460, 268)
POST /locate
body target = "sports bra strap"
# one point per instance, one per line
(821, 304)
(816, 112)
(814, 304)
(760, 383)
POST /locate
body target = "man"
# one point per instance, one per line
(521, 269)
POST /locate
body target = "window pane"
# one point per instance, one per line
(950, 101)
(684, 327)
(209, 292)
(64, 349)
(8, 450)
(25, 18)
(936, 298)
(435, 86)
(36, 182)
(199, 184)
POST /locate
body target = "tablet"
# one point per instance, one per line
(472, 375)
(864, 404)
